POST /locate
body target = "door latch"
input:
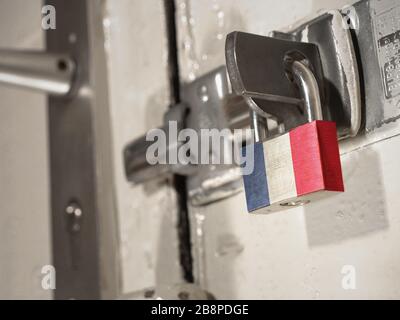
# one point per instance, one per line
(207, 103)
(259, 79)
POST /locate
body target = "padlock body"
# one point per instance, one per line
(300, 166)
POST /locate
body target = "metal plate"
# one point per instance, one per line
(207, 103)
(81, 163)
(209, 99)
(341, 81)
(377, 47)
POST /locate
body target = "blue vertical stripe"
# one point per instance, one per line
(255, 184)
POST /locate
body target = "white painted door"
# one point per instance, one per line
(342, 247)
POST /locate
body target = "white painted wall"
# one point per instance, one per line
(24, 177)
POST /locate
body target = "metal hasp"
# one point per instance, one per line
(375, 28)
(340, 67)
(49, 73)
(256, 69)
(84, 228)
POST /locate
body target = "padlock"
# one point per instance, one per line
(299, 166)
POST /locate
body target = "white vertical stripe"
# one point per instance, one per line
(279, 168)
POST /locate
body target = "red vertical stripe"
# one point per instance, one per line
(330, 156)
(316, 159)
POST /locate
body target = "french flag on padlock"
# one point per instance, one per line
(295, 168)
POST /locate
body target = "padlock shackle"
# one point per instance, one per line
(310, 96)
(309, 90)
(260, 126)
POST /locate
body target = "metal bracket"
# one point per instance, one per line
(85, 238)
(207, 103)
(256, 72)
(341, 83)
(213, 105)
